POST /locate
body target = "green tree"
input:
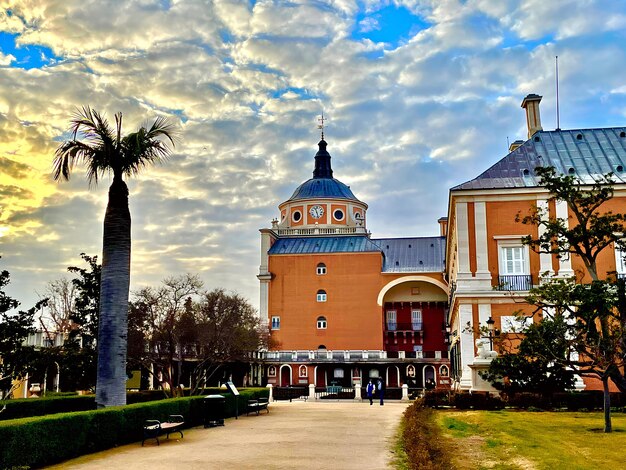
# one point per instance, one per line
(586, 314)
(104, 150)
(16, 359)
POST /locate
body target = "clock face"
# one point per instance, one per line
(316, 212)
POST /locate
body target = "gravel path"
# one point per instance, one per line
(298, 435)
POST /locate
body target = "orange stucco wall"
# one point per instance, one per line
(606, 259)
(352, 284)
(501, 222)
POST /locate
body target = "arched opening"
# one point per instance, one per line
(429, 377)
(393, 376)
(285, 375)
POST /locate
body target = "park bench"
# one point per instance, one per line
(153, 428)
(258, 405)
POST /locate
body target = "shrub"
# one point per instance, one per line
(477, 401)
(436, 398)
(422, 440)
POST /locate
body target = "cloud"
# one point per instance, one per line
(245, 82)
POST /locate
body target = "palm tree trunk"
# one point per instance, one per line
(114, 290)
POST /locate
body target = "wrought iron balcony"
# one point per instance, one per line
(520, 282)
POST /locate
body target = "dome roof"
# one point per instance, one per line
(322, 188)
(322, 185)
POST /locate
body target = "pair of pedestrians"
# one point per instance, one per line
(373, 388)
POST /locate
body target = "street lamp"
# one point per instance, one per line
(490, 325)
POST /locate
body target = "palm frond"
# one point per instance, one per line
(103, 149)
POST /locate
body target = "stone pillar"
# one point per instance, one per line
(357, 391)
(565, 263)
(269, 386)
(311, 391)
(467, 345)
(405, 392)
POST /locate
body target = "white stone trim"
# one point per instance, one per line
(467, 345)
(482, 254)
(565, 263)
(545, 259)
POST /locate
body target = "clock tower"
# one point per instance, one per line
(322, 205)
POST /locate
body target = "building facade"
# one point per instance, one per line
(489, 269)
(343, 307)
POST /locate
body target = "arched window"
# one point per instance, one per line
(321, 295)
(321, 347)
(302, 372)
(321, 323)
(321, 269)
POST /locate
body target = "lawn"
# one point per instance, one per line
(533, 440)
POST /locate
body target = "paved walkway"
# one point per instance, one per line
(298, 435)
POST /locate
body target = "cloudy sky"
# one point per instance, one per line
(420, 96)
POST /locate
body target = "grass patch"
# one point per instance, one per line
(530, 440)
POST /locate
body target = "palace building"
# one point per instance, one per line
(343, 306)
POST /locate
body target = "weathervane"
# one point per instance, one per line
(321, 124)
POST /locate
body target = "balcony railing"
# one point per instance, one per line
(515, 282)
(285, 232)
(346, 355)
(410, 326)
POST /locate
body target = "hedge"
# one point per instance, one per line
(571, 401)
(29, 407)
(45, 440)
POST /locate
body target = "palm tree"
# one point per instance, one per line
(104, 150)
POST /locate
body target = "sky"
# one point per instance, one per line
(419, 95)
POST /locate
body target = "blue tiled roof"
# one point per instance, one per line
(322, 188)
(585, 153)
(424, 254)
(343, 244)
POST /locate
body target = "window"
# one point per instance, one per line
(338, 214)
(391, 320)
(513, 324)
(513, 260)
(321, 269)
(296, 216)
(416, 320)
(275, 323)
(513, 265)
(271, 371)
(321, 296)
(302, 372)
(321, 323)
(338, 373)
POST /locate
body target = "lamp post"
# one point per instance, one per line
(490, 325)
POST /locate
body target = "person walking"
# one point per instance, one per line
(370, 391)
(381, 391)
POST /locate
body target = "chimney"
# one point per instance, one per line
(533, 120)
(514, 145)
(443, 226)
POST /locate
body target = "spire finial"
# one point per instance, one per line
(321, 124)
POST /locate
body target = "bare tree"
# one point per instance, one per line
(158, 329)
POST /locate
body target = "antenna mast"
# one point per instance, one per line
(558, 119)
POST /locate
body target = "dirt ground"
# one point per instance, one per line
(298, 435)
